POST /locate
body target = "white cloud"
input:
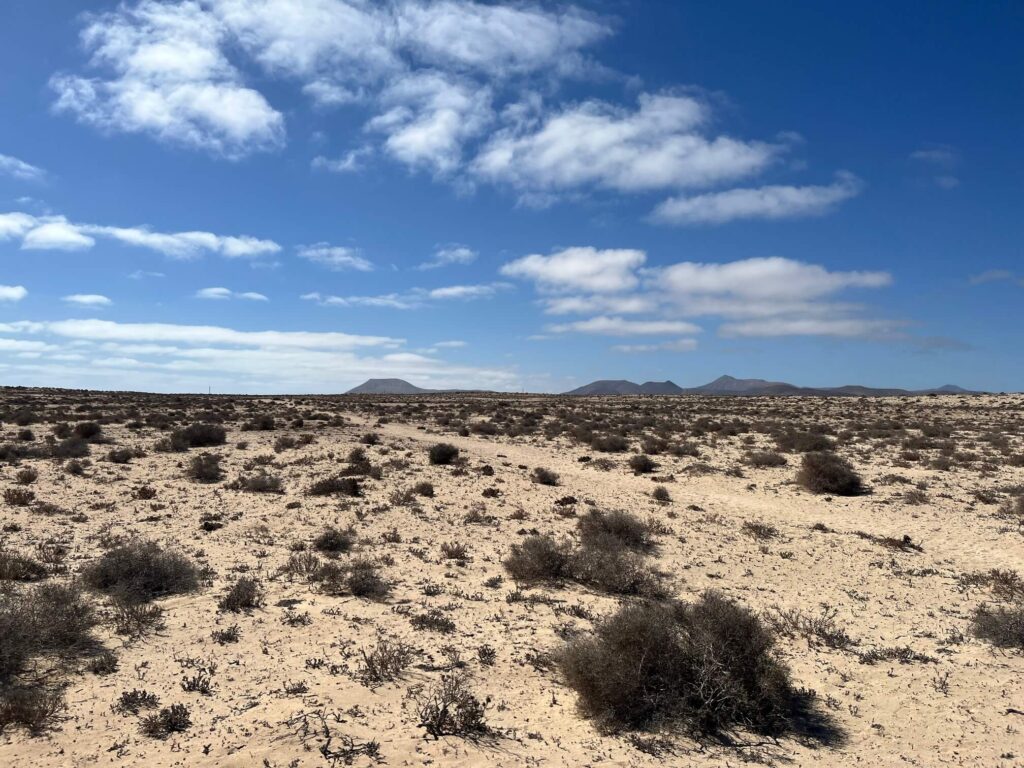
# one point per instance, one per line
(428, 116)
(450, 254)
(678, 345)
(335, 257)
(991, 276)
(453, 344)
(661, 145)
(57, 233)
(414, 298)
(772, 278)
(19, 169)
(938, 154)
(466, 292)
(771, 202)
(12, 292)
(427, 66)
(350, 162)
(498, 39)
(843, 327)
(88, 300)
(170, 357)
(773, 296)
(227, 293)
(107, 330)
(630, 304)
(169, 77)
(940, 160)
(580, 269)
(386, 301)
(617, 326)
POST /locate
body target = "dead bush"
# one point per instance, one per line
(707, 666)
(205, 468)
(538, 558)
(244, 595)
(823, 472)
(449, 708)
(442, 454)
(140, 571)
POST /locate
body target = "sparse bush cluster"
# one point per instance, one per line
(609, 556)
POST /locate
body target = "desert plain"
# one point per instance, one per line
(337, 590)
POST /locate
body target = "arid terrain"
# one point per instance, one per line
(317, 581)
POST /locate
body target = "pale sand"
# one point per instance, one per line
(893, 714)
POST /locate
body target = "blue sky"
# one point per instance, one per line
(296, 195)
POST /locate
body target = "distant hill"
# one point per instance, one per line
(388, 387)
(728, 385)
(622, 387)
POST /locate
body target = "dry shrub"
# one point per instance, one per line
(48, 621)
(762, 459)
(347, 486)
(140, 571)
(335, 541)
(442, 453)
(642, 464)
(538, 558)
(707, 667)
(261, 482)
(823, 472)
(244, 595)
(205, 468)
(17, 567)
(1001, 625)
(544, 476)
(606, 564)
(627, 529)
(449, 708)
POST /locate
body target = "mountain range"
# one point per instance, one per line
(728, 385)
(723, 385)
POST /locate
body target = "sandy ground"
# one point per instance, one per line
(962, 708)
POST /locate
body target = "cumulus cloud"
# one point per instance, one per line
(772, 278)
(12, 292)
(770, 202)
(662, 144)
(336, 257)
(58, 233)
(19, 169)
(428, 116)
(450, 254)
(770, 296)
(163, 68)
(88, 300)
(223, 294)
(580, 268)
(168, 77)
(171, 357)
